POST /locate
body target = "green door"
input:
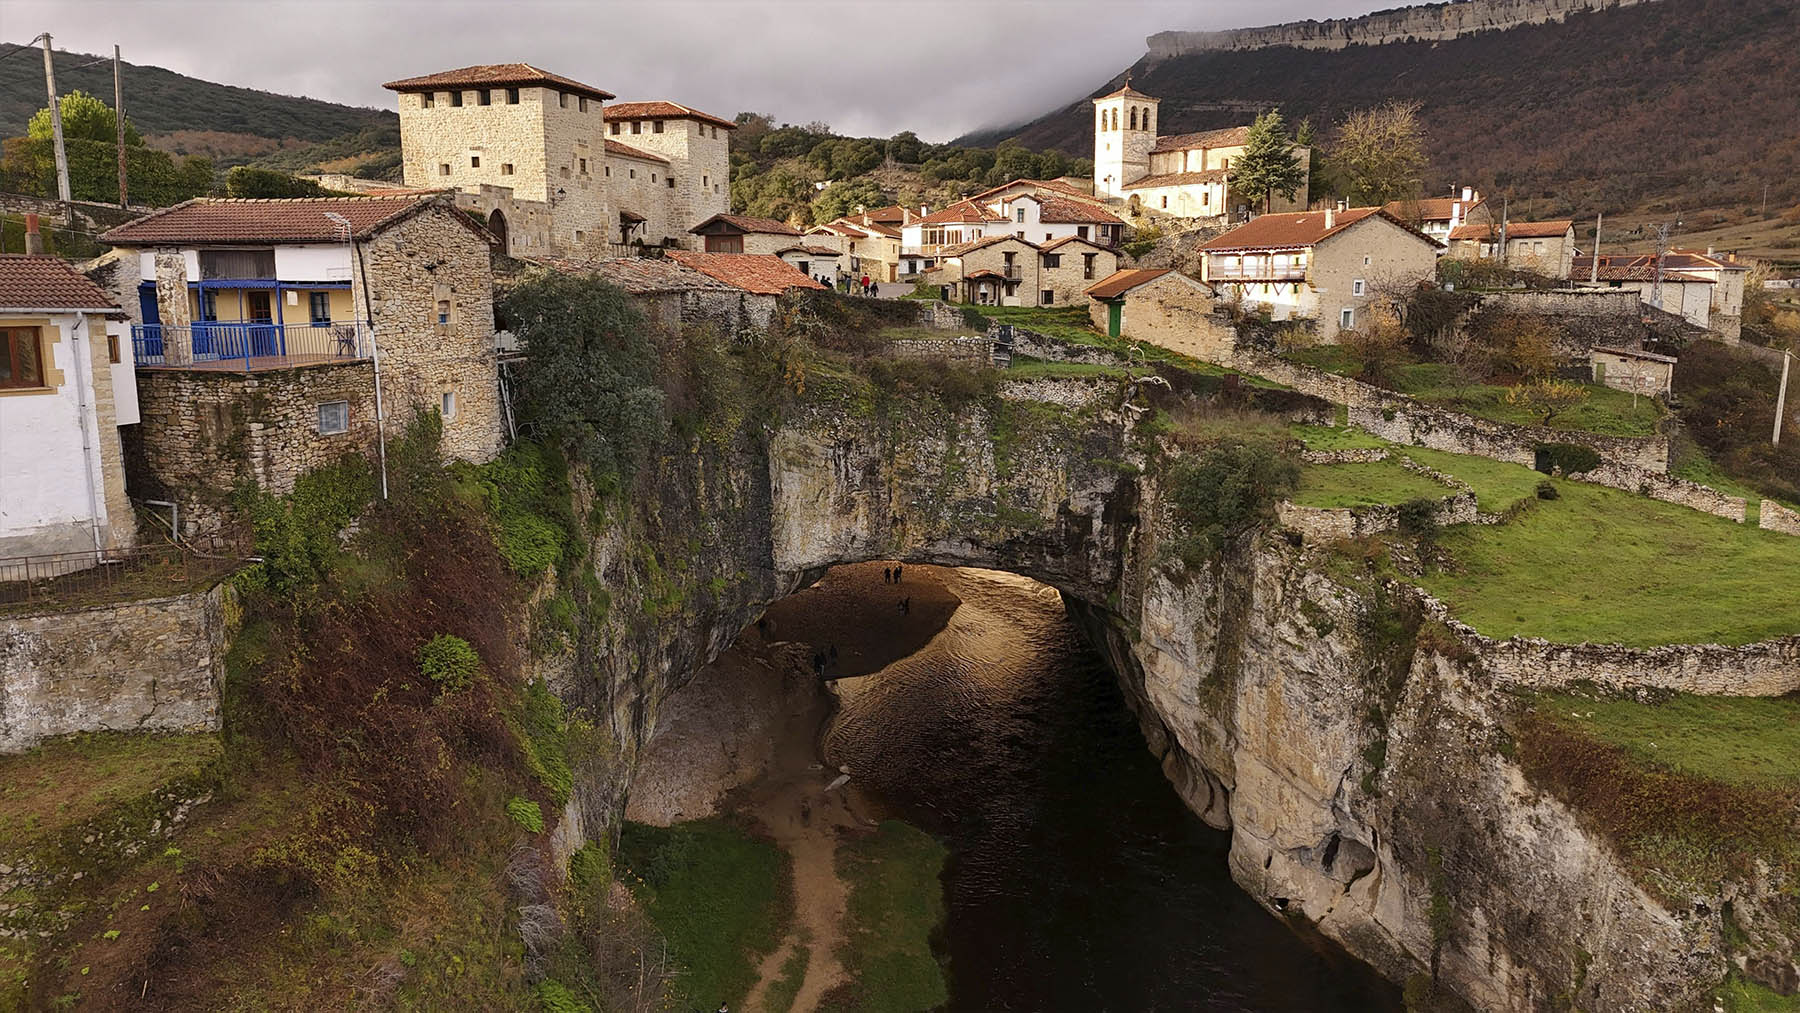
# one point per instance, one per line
(1115, 311)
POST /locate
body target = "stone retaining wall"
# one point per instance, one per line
(1776, 517)
(967, 350)
(1321, 524)
(1567, 302)
(152, 665)
(1667, 488)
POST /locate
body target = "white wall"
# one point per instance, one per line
(45, 502)
(124, 375)
(313, 263)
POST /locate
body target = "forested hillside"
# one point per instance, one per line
(1688, 105)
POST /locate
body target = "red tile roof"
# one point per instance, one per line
(1062, 211)
(660, 110)
(1298, 229)
(615, 148)
(1055, 185)
(1066, 240)
(750, 224)
(1695, 260)
(962, 211)
(1127, 92)
(1430, 209)
(1177, 179)
(882, 216)
(841, 228)
(495, 75)
(969, 247)
(1227, 137)
(210, 220)
(811, 251)
(759, 273)
(1515, 230)
(47, 283)
(1124, 281)
(877, 229)
(1632, 268)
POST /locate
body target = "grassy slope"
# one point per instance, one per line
(720, 896)
(896, 904)
(1609, 567)
(69, 780)
(1356, 485)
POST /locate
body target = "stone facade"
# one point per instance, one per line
(1174, 312)
(430, 294)
(203, 431)
(970, 351)
(150, 665)
(1775, 517)
(1326, 524)
(1078, 266)
(699, 161)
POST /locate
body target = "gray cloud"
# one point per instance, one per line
(937, 67)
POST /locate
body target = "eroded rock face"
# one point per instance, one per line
(1364, 782)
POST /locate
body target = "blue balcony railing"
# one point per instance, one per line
(251, 345)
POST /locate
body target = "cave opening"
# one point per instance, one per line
(968, 704)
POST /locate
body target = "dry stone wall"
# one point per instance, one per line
(1325, 524)
(966, 350)
(152, 665)
(1776, 517)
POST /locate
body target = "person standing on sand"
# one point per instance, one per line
(887, 575)
(897, 570)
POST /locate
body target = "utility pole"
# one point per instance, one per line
(1505, 206)
(1787, 359)
(1594, 271)
(62, 159)
(1662, 249)
(119, 118)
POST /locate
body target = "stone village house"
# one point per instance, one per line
(1437, 217)
(1186, 175)
(1038, 212)
(744, 234)
(1317, 265)
(1004, 270)
(1164, 307)
(65, 389)
(1705, 288)
(1547, 248)
(760, 278)
(265, 332)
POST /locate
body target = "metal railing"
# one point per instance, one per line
(250, 345)
(1255, 273)
(95, 576)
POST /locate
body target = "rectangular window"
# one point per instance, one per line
(637, 126)
(505, 168)
(443, 312)
(705, 181)
(334, 417)
(1356, 287)
(653, 177)
(657, 127)
(209, 305)
(1052, 260)
(1081, 230)
(1165, 202)
(1048, 297)
(583, 163)
(562, 100)
(615, 126)
(447, 405)
(512, 96)
(633, 173)
(319, 305)
(112, 348)
(1020, 213)
(425, 100)
(456, 98)
(583, 103)
(670, 180)
(474, 161)
(444, 168)
(1346, 318)
(715, 133)
(607, 169)
(1087, 265)
(485, 97)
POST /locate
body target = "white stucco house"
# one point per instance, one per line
(66, 385)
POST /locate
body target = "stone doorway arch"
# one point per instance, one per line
(496, 224)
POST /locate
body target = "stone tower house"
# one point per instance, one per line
(697, 146)
(510, 127)
(1124, 132)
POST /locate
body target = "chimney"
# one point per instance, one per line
(1468, 193)
(1331, 217)
(34, 240)
(924, 209)
(1709, 251)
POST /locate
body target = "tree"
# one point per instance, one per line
(1380, 346)
(248, 181)
(588, 379)
(841, 198)
(1318, 182)
(1268, 165)
(1379, 155)
(1546, 398)
(85, 118)
(906, 148)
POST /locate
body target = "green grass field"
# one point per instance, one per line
(1336, 438)
(1605, 566)
(1355, 485)
(68, 780)
(1746, 741)
(719, 896)
(896, 903)
(1497, 484)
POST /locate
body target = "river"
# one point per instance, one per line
(1077, 879)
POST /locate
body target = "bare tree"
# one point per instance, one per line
(1380, 153)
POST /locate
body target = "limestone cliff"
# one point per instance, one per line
(1362, 768)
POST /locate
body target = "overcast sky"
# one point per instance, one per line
(867, 67)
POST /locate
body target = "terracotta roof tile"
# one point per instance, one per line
(1632, 268)
(1515, 230)
(811, 251)
(1430, 209)
(47, 283)
(1066, 240)
(1127, 92)
(750, 224)
(208, 220)
(1124, 281)
(1053, 185)
(840, 228)
(969, 247)
(661, 110)
(495, 75)
(892, 214)
(615, 148)
(1177, 179)
(962, 211)
(759, 273)
(1297, 229)
(878, 229)
(1226, 137)
(1062, 211)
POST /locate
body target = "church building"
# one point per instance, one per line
(1186, 175)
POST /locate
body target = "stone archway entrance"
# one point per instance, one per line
(496, 224)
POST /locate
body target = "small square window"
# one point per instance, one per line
(484, 97)
(562, 100)
(580, 235)
(444, 169)
(563, 171)
(1346, 318)
(112, 348)
(456, 98)
(334, 417)
(447, 405)
(474, 161)
(583, 103)
(1356, 287)
(512, 96)
(443, 312)
(615, 126)
(670, 180)
(1049, 297)
(657, 127)
(506, 168)
(425, 100)
(637, 126)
